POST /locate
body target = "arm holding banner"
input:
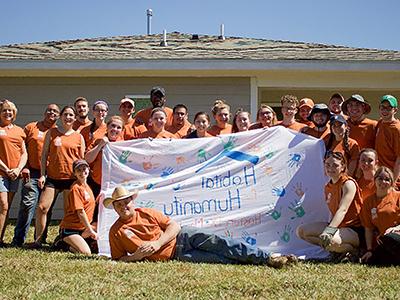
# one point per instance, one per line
(91, 155)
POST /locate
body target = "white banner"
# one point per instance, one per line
(257, 185)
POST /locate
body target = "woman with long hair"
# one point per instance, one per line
(202, 123)
(368, 164)
(98, 128)
(13, 157)
(158, 120)
(62, 146)
(266, 117)
(241, 121)
(221, 114)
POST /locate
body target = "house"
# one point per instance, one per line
(194, 69)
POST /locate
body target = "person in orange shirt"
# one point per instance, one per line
(157, 130)
(289, 110)
(180, 126)
(75, 228)
(362, 129)
(158, 100)
(338, 140)
(98, 127)
(201, 122)
(335, 104)
(241, 121)
(95, 153)
(381, 212)
(30, 193)
(368, 163)
(62, 146)
(320, 116)
(147, 234)
(126, 111)
(387, 142)
(305, 107)
(266, 117)
(221, 114)
(81, 106)
(344, 231)
(13, 157)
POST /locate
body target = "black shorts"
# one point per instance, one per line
(59, 184)
(361, 236)
(67, 232)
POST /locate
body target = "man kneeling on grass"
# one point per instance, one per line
(145, 233)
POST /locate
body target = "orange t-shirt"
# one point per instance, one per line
(63, 151)
(295, 126)
(133, 131)
(367, 187)
(35, 134)
(162, 135)
(307, 123)
(215, 130)
(179, 132)
(146, 225)
(11, 145)
(337, 146)
(381, 213)
(90, 136)
(80, 197)
(143, 116)
(78, 126)
(333, 196)
(363, 132)
(387, 142)
(315, 133)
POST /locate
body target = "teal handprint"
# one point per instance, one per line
(285, 237)
(297, 208)
(202, 155)
(123, 158)
(230, 144)
(269, 155)
(274, 213)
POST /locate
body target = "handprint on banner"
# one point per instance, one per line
(298, 189)
(141, 203)
(228, 233)
(279, 191)
(230, 144)
(286, 235)
(202, 155)
(150, 186)
(248, 238)
(148, 165)
(123, 158)
(274, 213)
(269, 155)
(166, 172)
(176, 187)
(297, 208)
(268, 170)
(294, 160)
(180, 160)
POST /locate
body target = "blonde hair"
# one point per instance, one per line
(238, 112)
(116, 118)
(274, 119)
(385, 170)
(290, 99)
(220, 104)
(8, 104)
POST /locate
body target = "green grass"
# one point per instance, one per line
(26, 274)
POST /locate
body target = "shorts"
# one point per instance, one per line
(8, 185)
(59, 184)
(60, 245)
(67, 232)
(361, 236)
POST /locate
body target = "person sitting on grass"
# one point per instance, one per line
(147, 234)
(381, 213)
(75, 227)
(343, 233)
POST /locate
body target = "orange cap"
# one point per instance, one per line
(306, 102)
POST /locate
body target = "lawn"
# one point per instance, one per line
(52, 275)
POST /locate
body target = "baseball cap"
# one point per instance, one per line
(78, 163)
(127, 100)
(358, 98)
(391, 99)
(337, 118)
(158, 90)
(306, 102)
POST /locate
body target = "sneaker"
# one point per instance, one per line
(34, 245)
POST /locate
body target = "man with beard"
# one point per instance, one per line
(180, 125)
(158, 99)
(35, 133)
(320, 116)
(82, 114)
(362, 129)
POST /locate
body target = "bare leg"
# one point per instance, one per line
(344, 240)
(5, 203)
(45, 201)
(78, 244)
(310, 232)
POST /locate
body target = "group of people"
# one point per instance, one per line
(362, 162)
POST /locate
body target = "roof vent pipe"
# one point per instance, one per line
(222, 32)
(164, 40)
(149, 15)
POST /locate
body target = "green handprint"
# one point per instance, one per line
(230, 144)
(124, 156)
(202, 155)
(285, 237)
(297, 208)
(275, 214)
(269, 155)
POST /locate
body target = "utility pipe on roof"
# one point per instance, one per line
(149, 15)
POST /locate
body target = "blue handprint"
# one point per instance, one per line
(297, 208)
(248, 239)
(279, 191)
(166, 172)
(285, 237)
(294, 160)
(176, 187)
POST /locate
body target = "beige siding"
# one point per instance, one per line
(32, 94)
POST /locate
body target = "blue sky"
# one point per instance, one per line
(357, 23)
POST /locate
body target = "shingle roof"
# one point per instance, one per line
(182, 47)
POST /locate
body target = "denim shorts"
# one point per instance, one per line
(8, 185)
